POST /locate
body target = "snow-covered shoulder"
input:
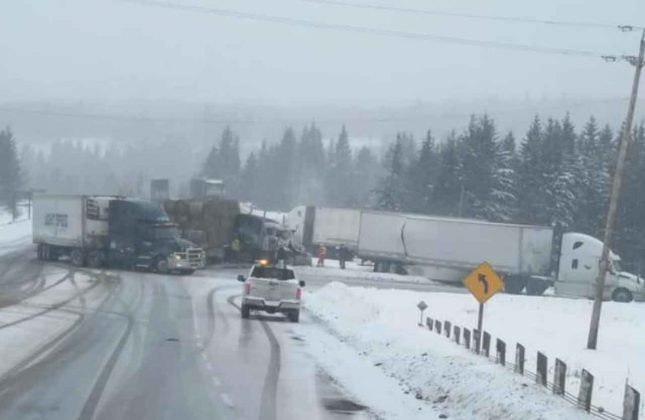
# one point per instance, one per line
(381, 326)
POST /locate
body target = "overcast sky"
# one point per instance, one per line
(110, 50)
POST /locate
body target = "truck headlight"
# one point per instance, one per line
(177, 257)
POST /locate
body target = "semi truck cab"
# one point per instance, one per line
(579, 266)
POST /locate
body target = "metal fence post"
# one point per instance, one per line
(486, 344)
(540, 374)
(437, 326)
(429, 323)
(457, 334)
(519, 359)
(631, 403)
(467, 338)
(586, 388)
(447, 328)
(501, 352)
(559, 377)
(476, 340)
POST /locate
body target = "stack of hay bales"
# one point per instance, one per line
(211, 220)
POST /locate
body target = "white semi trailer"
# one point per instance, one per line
(333, 227)
(446, 249)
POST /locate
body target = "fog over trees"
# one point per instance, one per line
(552, 174)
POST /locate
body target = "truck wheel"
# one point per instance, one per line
(294, 316)
(161, 265)
(95, 259)
(536, 287)
(622, 295)
(246, 311)
(514, 285)
(78, 257)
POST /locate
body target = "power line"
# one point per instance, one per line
(510, 19)
(236, 14)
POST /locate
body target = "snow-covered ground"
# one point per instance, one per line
(353, 270)
(381, 325)
(13, 235)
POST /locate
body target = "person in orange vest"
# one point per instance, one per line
(322, 252)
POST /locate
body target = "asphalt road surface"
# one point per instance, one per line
(164, 347)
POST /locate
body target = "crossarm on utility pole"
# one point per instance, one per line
(625, 138)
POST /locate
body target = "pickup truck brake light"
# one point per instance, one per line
(298, 293)
(247, 288)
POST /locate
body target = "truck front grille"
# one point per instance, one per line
(195, 257)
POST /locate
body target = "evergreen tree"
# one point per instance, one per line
(10, 172)
(223, 162)
(249, 179)
(448, 188)
(421, 176)
(364, 175)
(339, 186)
(593, 181)
(531, 177)
(391, 191)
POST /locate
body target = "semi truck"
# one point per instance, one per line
(215, 223)
(332, 227)
(111, 231)
(528, 257)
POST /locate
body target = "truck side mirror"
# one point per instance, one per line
(301, 283)
(241, 278)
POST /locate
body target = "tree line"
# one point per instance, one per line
(11, 176)
(554, 175)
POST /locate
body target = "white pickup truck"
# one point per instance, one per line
(271, 289)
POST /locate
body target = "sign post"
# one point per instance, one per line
(482, 283)
(422, 307)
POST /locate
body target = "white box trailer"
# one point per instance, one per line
(445, 249)
(72, 221)
(330, 226)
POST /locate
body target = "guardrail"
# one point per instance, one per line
(468, 338)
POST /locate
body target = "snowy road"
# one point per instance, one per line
(81, 344)
(136, 345)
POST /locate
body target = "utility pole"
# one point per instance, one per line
(625, 138)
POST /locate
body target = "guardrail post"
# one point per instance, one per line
(586, 388)
(467, 338)
(631, 403)
(501, 352)
(559, 377)
(540, 375)
(486, 344)
(437, 326)
(519, 359)
(447, 328)
(429, 323)
(476, 340)
(457, 334)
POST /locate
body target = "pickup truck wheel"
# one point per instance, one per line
(95, 259)
(294, 316)
(246, 311)
(161, 265)
(78, 257)
(622, 295)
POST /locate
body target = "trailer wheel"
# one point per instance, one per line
(536, 287)
(95, 259)
(78, 257)
(514, 285)
(161, 265)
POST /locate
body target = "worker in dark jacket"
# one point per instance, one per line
(343, 255)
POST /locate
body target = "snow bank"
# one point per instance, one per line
(15, 236)
(354, 271)
(382, 326)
